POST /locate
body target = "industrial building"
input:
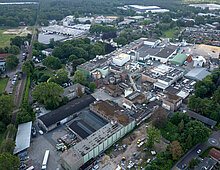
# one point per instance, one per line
(121, 59)
(171, 102)
(199, 61)
(179, 59)
(144, 9)
(64, 113)
(97, 64)
(97, 142)
(162, 76)
(63, 30)
(197, 73)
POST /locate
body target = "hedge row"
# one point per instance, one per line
(28, 83)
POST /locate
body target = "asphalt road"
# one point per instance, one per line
(214, 140)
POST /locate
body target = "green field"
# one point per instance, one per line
(171, 33)
(3, 84)
(5, 38)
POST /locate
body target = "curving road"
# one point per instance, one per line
(214, 140)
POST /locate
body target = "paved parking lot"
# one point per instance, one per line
(43, 142)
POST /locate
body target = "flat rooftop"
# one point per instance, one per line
(83, 147)
(86, 123)
(112, 111)
(64, 111)
(135, 96)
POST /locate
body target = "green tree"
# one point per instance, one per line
(48, 94)
(153, 135)
(92, 86)
(8, 146)
(8, 161)
(11, 62)
(14, 50)
(61, 77)
(121, 41)
(58, 52)
(189, 142)
(197, 130)
(176, 150)
(28, 67)
(52, 43)
(52, 62)
(177, 117)
(181, 126)
(17, 41)
(79, 77)
(7, 106)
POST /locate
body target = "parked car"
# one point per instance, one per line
(13, 83)
(199, 151)
(41, 132)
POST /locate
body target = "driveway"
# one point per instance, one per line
(214, 140)
(43, 142)
(11, 73)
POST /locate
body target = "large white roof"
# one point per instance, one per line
(23, 137)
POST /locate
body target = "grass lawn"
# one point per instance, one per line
(5, 38)
(3, 84)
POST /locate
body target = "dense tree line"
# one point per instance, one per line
(82, 49)
(206, 99)
(183, 134)
(12, 15)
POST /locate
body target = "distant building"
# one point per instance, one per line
(47, 51)
(144, 9)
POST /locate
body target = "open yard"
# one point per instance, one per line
(3, 84)
(6, 34)
(5, 38)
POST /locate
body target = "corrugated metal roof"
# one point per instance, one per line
(179, 59)
(197, 73)
(23, 137)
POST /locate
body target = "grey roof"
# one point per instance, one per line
(65, 111)
(197, 73)
(166, 52)
(201, 118)
(23, 137)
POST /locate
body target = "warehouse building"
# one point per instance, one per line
(197, 74)
(64, 113)
(97, 142)
(179, 59)
(121, 59)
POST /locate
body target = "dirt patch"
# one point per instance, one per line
(20, 32)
